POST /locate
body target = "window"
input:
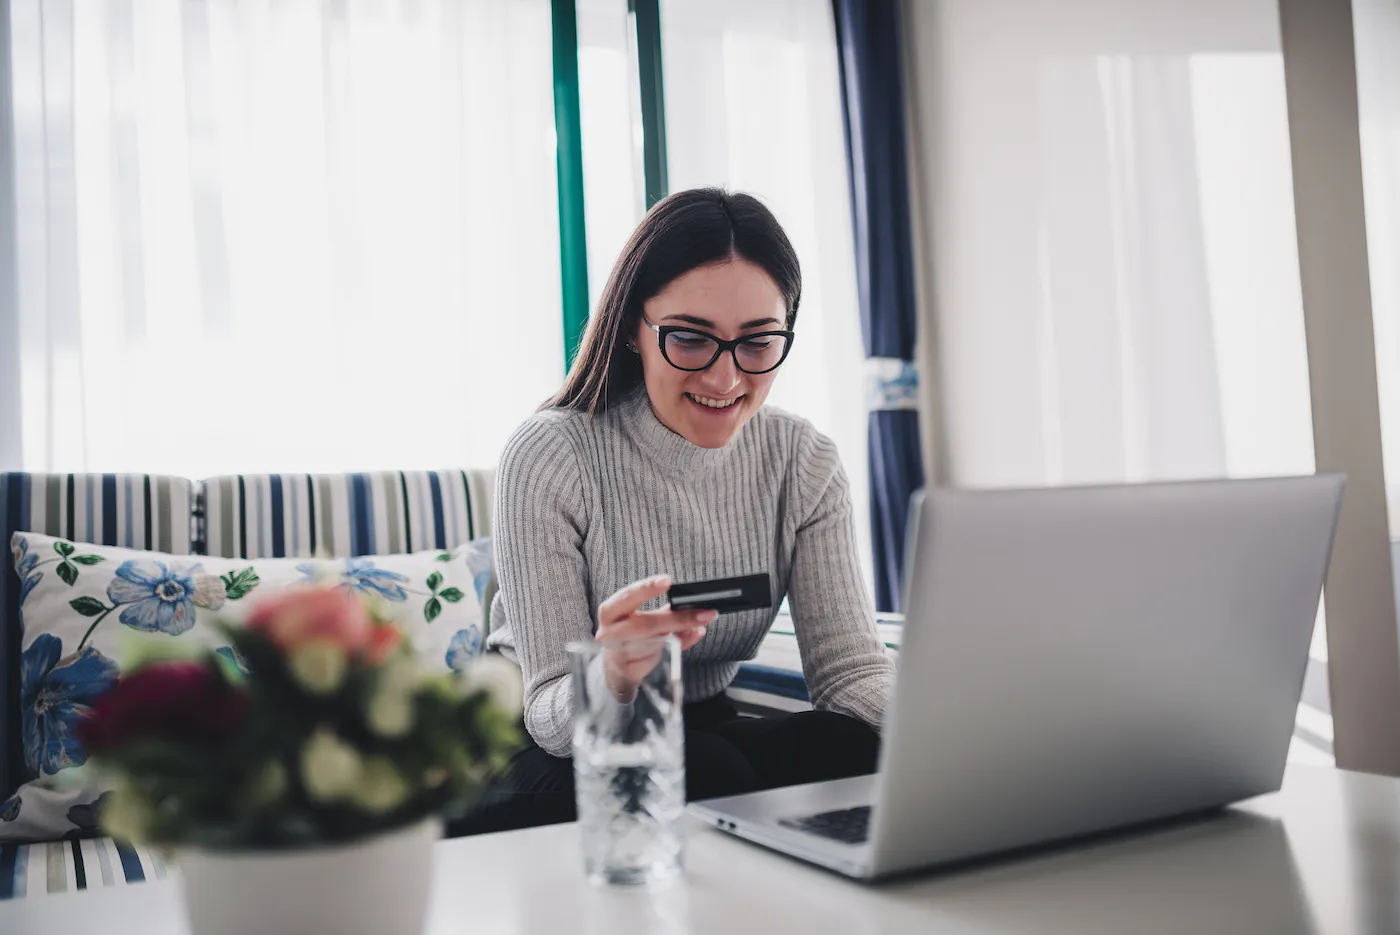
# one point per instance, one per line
(283, 236)
(263, 236)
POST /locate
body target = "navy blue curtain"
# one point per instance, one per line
(872, 95)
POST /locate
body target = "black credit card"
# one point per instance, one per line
(725, 595)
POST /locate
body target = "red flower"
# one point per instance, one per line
(184, 702)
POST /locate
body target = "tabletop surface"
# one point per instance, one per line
(1321, 856)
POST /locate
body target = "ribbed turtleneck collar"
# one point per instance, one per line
(667, 448)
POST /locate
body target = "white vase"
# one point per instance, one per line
(378, 886)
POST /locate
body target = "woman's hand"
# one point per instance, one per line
(626, 632)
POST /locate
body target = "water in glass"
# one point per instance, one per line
(629, 765)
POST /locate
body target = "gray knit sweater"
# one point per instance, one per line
(586, 505)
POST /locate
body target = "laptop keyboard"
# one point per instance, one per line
(849, 825)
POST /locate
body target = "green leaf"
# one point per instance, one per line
(451, 595)
(239, 583)
(64, 548)
(231, 664)
(88, 559)
(87, 606)
(434, 580)
(68, 572)
(432, 609)
(444, 557)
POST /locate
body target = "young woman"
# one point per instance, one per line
(657, 462)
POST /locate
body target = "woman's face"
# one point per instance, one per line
(727, 300)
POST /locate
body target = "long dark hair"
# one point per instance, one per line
(682, 232)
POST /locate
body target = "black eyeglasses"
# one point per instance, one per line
(688, 349)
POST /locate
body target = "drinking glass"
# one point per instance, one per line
(629, 763)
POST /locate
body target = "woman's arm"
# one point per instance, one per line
(539, 527)
(844, 662)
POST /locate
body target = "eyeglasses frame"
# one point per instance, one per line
(721, 345)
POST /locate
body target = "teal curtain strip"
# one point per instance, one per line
(647, 15)
(573, 237)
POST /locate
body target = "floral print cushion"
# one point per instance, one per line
(80, 603)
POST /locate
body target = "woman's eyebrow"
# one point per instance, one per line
(706, 323)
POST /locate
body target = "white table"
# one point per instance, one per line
(1331, 865)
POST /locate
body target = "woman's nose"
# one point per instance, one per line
(722, 375)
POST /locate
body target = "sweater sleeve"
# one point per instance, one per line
(539, 526)
(845, 664)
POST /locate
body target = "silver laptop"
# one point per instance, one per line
(1074, 661)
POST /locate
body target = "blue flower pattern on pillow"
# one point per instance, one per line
(25, 561)
(155, 594)
(54, 694)
(478, 556)
(465, 646)
(86, 817)
(29, 584)
(155, 597)
(361, 574)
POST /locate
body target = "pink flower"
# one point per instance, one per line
(383, 640)
(300, 615)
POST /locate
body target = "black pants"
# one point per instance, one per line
(725, 754)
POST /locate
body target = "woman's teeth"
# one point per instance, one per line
(713, 403)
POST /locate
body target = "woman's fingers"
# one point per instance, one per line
(690, 637)
(629, 661)
(626, 652)
(651, 624)
(630, 633)
(634, 661)
(631, 598)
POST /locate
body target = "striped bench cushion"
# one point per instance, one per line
(69, 866)
(773, 678)
(342, 515)
(138, 511)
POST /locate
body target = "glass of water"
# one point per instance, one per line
(629, 763)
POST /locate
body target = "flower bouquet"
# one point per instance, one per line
(300, 772)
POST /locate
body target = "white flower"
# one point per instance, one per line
(330, 767)
(499, 679)
(390, 712)
(209, 591)
(400, 676)
(268, 786)
(382, 788)
(127, 815)
(319, 665)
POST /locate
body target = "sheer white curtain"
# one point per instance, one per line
(1118, 279)
(753, 103)
(1115, 268)
(257, 235)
